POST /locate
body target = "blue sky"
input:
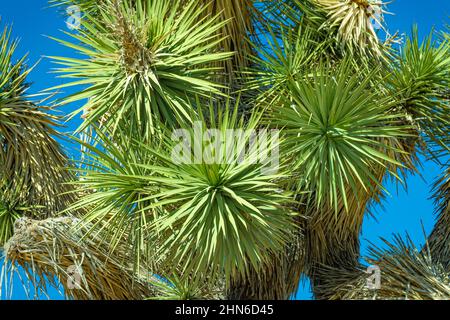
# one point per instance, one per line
(403, 211)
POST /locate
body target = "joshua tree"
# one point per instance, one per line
(133, 221)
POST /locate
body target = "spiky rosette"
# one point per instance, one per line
(339, 129)
(420, 80)
(223, 216)
(144, 63)
(240, 16)
(222, 213)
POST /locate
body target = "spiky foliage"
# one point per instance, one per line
(185, 288)
(345, 26)
(319, 114)
(332, 232)
(421, 77)
(52, 254)
(292, 76)
(144, 63)
(351, 113)
(406, 274)
(114, 189)
(406, 271)
(240, 17)
(289, 55)
(214, 214)
(238, 201)
(335, 125)
(32, 170)
(10, 210)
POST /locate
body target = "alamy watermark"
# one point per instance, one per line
(73, 21)
(74, 277)
(232, 146)
(374, 278)
(376, 15)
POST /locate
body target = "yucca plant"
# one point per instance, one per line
(228, 149)
(406, 273)
(32, 172)
(159, 55)
(167, 201)
(11, 209)
(335, 123)
(421, 77)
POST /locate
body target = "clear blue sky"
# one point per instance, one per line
(403, 211)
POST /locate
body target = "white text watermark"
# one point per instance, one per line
(232, 146)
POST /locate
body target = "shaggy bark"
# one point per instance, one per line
(439, 240)
(52, 252)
